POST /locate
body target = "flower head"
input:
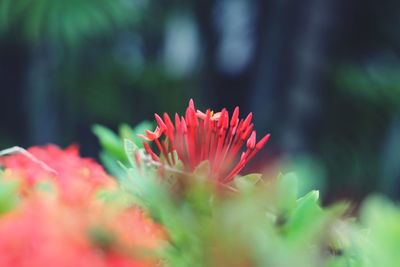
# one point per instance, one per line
(200, 136)
(64, 217)
(43, 231)
(77, 178)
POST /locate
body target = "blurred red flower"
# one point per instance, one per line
(43, 231)
(74, 228)
(77, 178)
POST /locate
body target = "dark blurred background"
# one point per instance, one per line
(323, 76)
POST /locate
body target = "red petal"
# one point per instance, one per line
(263, 141)
(168, 122)
(251, 142)
(152, 154)
(153, 135)
(191, 104)
(183, 125)
(247, 120)
(235, 117)
(160, 122)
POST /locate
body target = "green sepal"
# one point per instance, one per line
(130, 149)
(248, 182)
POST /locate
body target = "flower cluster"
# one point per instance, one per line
(76, 177)
(68, 223)
(67, 211)
(200, 136)
(45, 232)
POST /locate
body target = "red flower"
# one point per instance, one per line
(208, 136)
(77, 178)
(43, 231)
(73, 228)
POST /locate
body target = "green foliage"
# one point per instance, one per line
(67, 21)
(113, 146)
(382, 220)
(8, 194)
(247, 182)
(253, 221)
(378, 84)
(248, 222)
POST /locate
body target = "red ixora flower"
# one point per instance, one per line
(77, 178)
(200, 136)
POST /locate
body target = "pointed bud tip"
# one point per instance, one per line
(160, 122)
(177, 120)
(168, 121)
(146, 147)
(263, 141)
(248, 120)
(191, 103)
(251, 142)
(235, 117)
(183, 125)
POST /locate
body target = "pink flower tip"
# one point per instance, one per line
(160, 122)
(263, 141)
(235, 117)
(191, 104)
(251, 142)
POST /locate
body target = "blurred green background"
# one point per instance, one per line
(322, 76)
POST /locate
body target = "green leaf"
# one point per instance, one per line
(287, 192)
(8, 195)
(126, 132)
(306, 217)
(312, 196)
(130, 149)
(111, 164)
(109, 141)
(67, 22)
(248, 182)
